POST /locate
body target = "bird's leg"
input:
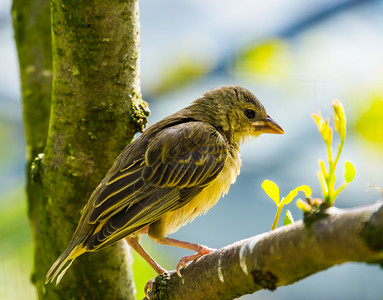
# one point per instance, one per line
(133, 242)
(157, 232)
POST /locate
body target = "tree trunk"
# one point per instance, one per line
(96, 109)
(32, 27)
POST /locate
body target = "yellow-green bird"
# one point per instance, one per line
(175, 171)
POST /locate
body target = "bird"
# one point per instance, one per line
(176, 170)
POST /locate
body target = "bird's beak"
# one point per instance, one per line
(268, 125)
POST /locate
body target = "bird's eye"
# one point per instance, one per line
(249, 113)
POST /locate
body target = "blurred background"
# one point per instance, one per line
(296, 56)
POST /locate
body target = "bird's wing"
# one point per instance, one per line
(179, 162)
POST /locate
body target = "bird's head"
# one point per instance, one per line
(237, 113)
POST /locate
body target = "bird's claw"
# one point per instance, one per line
(148, 287)
(150, 283)
(203, 250)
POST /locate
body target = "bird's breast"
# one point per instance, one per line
(208, 197)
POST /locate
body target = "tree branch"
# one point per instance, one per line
(280, 257)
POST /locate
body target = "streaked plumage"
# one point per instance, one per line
(176, 170)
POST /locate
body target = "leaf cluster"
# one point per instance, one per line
(326, 174)
(272, 190)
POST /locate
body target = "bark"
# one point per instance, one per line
(96, 109)
(280, 257)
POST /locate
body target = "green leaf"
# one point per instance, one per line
(323, 184)
(304, 206)
(323, 168)
(339, 118)
(288, 218)
(302, 188)
(349, 172)
(272, 190)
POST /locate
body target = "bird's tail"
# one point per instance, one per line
(62, 264)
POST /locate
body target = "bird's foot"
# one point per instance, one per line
(150, 283)
(148, 287)
(202, 250)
